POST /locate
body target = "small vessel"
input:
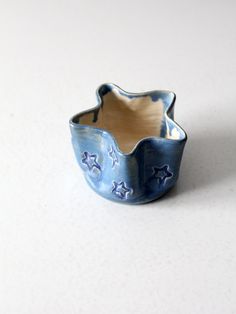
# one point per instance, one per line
(129, 146)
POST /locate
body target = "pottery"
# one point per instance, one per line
(129, 146)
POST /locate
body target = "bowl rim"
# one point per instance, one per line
(169, 107)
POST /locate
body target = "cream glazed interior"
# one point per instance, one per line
(132, 117)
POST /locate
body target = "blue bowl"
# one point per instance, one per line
(129, 146)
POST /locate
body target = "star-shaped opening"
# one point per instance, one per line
(132, 117)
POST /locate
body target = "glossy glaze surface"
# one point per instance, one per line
(129, 146)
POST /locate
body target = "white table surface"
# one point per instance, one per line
(63, 249)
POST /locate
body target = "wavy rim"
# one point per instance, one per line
(77, 125)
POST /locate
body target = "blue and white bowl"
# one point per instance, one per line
(129, 146)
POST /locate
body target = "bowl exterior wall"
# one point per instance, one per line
(140, 177)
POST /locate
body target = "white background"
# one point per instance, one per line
(63, 249)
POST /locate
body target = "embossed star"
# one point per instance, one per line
(120, 189)
(161, 174)
(90, 160)
(113, 156)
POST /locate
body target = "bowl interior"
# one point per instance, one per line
(133, 117)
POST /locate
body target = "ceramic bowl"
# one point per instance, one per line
(129, 146)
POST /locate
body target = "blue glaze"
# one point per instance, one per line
(90, 160)
(144, 174)
(154, 95)
(121, 190)
(161, 174)
(112, 154)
